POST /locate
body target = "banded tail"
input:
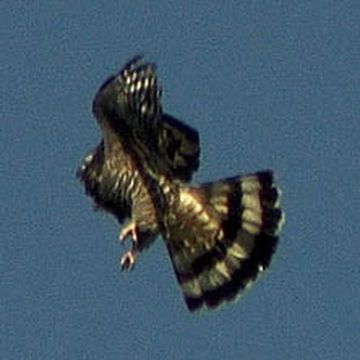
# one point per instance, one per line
(225, 235)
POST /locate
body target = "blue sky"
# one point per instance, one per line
(270, 84)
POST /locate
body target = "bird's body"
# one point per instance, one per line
(219, 235)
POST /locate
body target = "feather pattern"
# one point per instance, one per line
(220, 235)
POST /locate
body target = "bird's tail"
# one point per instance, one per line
(225, 235)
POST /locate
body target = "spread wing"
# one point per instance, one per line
(130, 103)
(231, 235)
(136, 137)
(174, 146)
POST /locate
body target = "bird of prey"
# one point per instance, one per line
(220, 235)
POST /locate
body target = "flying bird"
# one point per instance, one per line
(220, 235)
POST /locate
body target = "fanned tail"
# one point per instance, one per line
(227, 235)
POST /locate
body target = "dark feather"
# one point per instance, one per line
(232, 233)
(220, 235)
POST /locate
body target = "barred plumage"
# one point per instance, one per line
(232, 227)
(219, 235)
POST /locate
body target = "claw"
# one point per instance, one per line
(127, 261)
(129, 229)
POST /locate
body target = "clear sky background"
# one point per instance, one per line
(268, 84)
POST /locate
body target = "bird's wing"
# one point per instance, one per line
(130, 104)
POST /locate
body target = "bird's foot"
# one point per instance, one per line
(127, 261)
(129, 230)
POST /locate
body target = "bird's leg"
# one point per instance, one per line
(127, 261)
